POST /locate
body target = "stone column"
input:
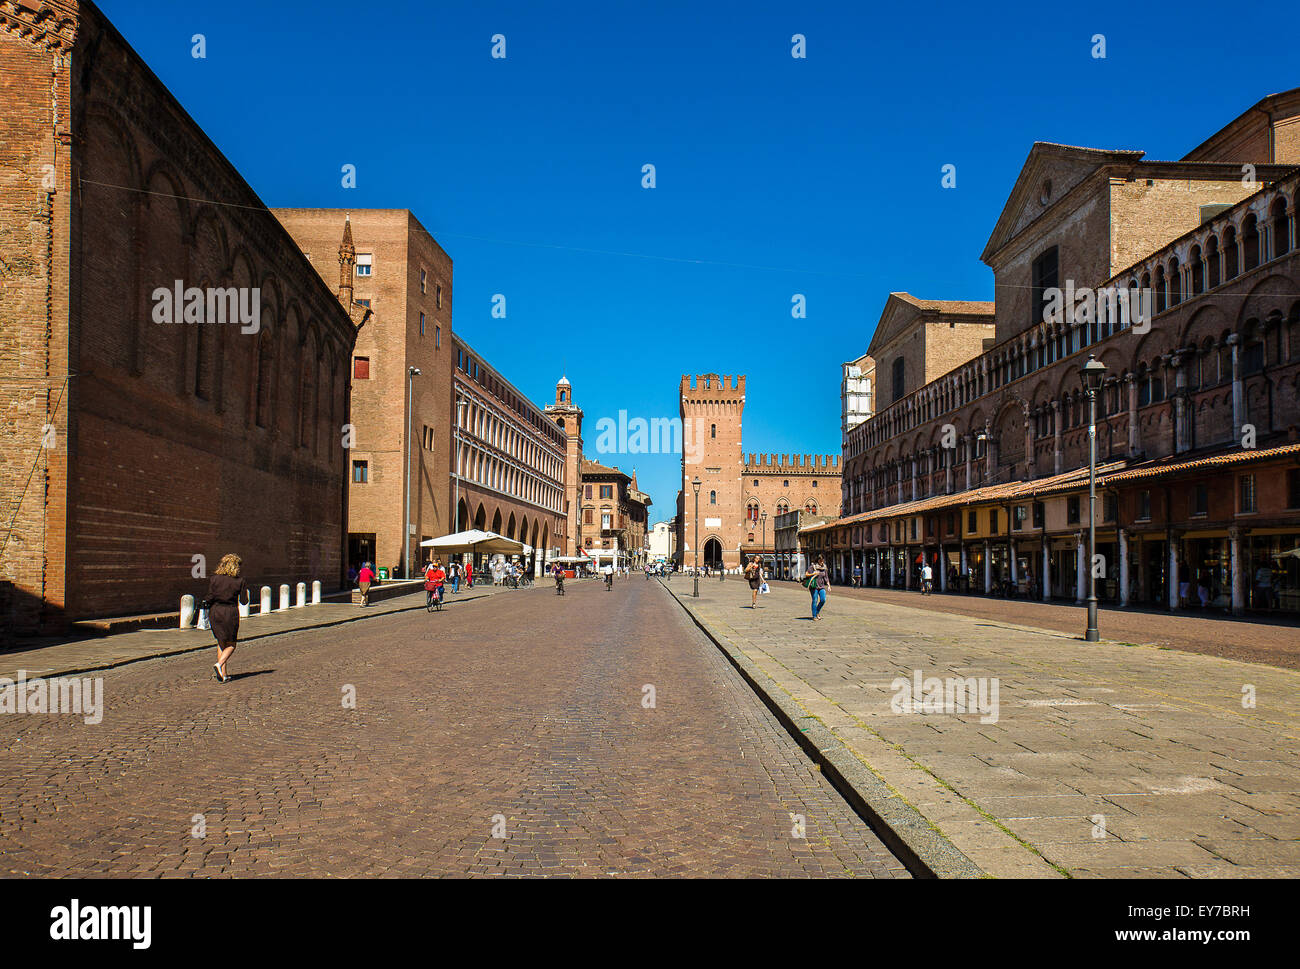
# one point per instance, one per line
(914, 477)
(970, 460)
(1182, 410)
(1133, 440)
(1171, 572)
(988, 568)
(1080, 584)
(1238, 580)
(990, 451)
(1030, 460)
(948, 455)
(1238, 388)
(1059, 454)
(1047, 569)
(1011, 547)
(1123, 567)
(907, 566)
(964, 564)
(943, 568)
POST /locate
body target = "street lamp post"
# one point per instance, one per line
(696, 485)
(763, 519)
(1091, 374)
(411, 374)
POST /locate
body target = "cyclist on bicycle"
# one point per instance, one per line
(609, 577)
(434, 581)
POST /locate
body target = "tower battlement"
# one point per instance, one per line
(777, 463)
(710, 386)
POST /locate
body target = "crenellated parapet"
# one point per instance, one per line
(814, 464)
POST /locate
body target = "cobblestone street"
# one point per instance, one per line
(503, 736)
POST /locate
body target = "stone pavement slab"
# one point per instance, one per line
(1095, 759)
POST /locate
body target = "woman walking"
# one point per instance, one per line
(224, 592)
(755, 576)
(818, 581)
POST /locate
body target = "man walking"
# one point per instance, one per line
(927, 578)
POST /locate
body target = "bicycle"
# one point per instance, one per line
(525, 582)
(433, 599)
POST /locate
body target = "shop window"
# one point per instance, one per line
(1072, 510)
(1247, 494)
(1201, 500)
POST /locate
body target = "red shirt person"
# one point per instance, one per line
(364, 578)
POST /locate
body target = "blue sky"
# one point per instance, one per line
(775, 175)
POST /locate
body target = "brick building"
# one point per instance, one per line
(982, 468)
(395, 268)
(606, 514)
(134, 444)
(510, 469)
(739, 496)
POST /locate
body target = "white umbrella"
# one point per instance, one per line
(476, 542)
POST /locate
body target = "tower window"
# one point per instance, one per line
(365, 263)
(713, 430)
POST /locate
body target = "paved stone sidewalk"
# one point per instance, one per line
(1105, 760)
(80, 655)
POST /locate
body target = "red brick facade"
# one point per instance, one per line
(131, 445)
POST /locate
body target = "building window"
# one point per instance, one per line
(972, 521)
(437, 337)
(1040, 514)
(1072, 510)
(1247, 493)
(713, 497)
(361, 368)
(785, 483)
(755, 482)
(588, 516)
(898, 375)
(993, 520)
(587, 492)
(912, 529)
(1201, 499)
(951, 523)
(437, 297)
(1109, 507)
(364, 302)
(1045, 275)
(1144, 506)
(713, 430)
(814, 484)
(1293, 488)
(606, 520)
(751, 511)
(607, 491)
(365, 263)
(421, 324)
(360, 472)
(1020, 517)
(424, 278)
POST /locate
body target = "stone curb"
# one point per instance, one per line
(243, 640)
(923, 851)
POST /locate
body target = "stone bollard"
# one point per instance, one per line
(245, 607)
(315, 593)
(266, 600)
(284, 596)
(300, 595)
(188, 614)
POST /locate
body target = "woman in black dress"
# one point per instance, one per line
(224, 592)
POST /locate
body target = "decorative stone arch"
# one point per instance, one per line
(496, 522)
(1272, 293)
(480, 518)
(510, 526)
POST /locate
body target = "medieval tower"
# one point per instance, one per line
(568, 417)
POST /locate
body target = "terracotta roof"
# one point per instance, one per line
(593, 467)
(948, 305)
(1223, 459)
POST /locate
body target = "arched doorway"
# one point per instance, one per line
(712, 554)
(462, 517)
(480, 518)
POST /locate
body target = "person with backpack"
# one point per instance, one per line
(817, 581)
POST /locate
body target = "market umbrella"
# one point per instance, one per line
(476, 542)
